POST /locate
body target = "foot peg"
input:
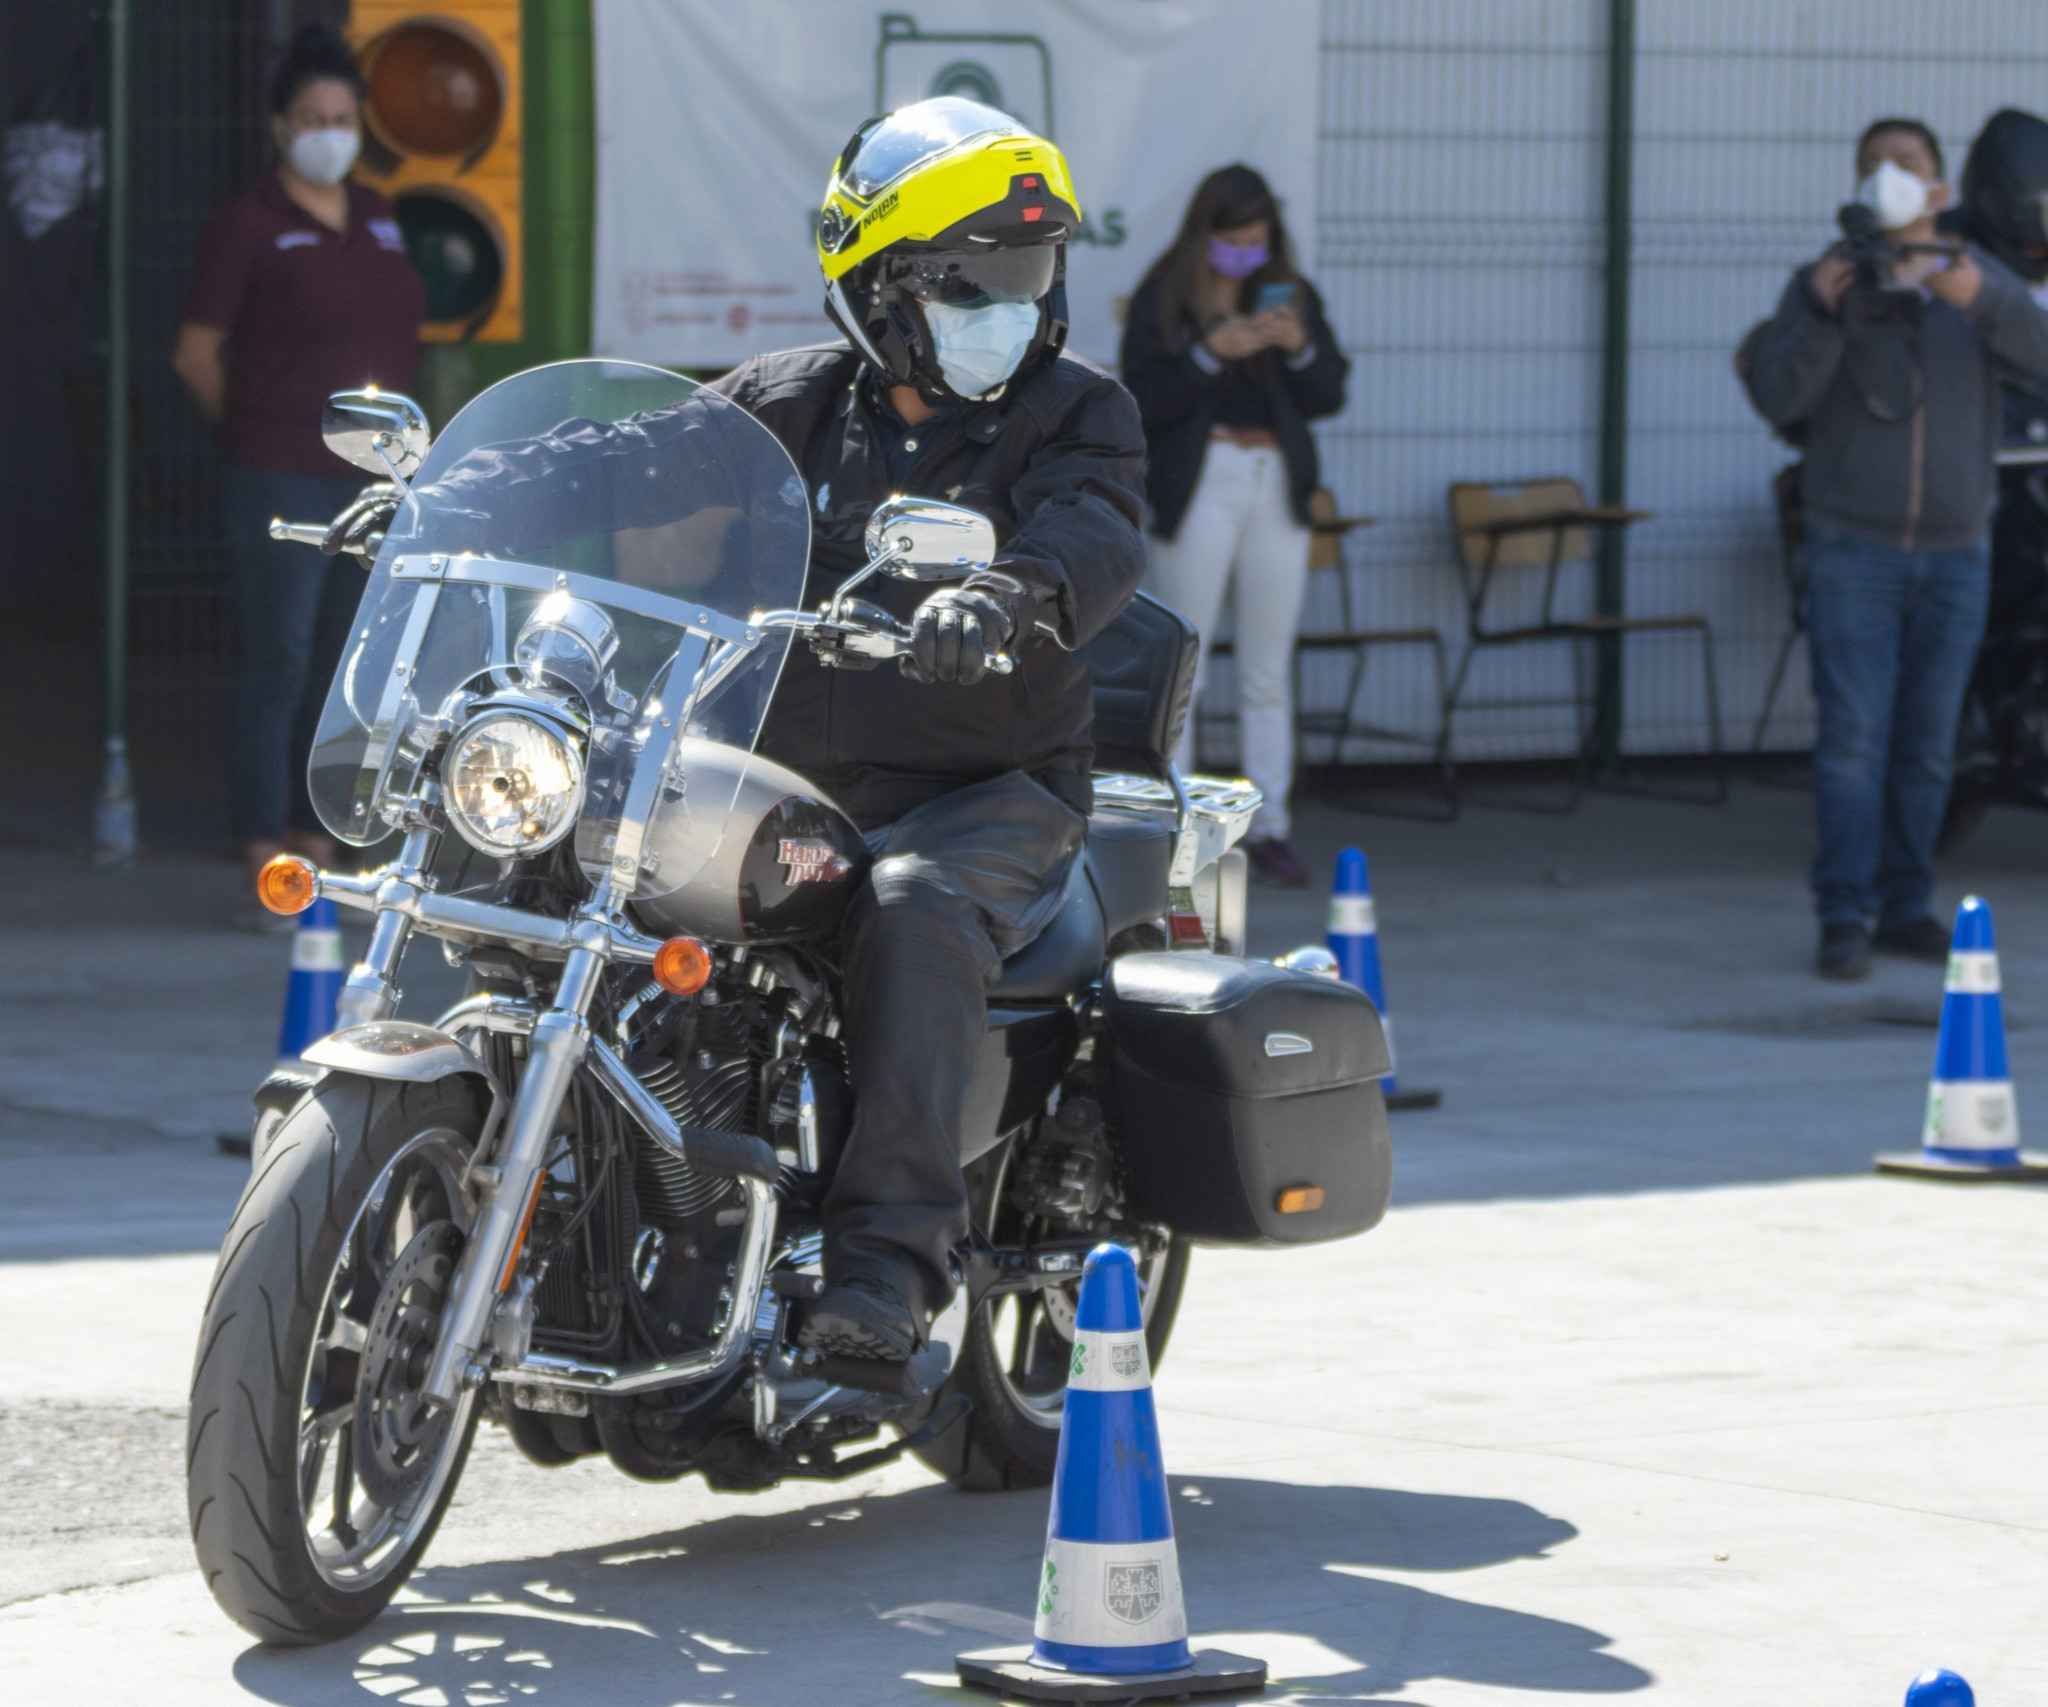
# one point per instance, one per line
(871, 1375)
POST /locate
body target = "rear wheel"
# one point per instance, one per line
(1013, 1363)
(316, 1475)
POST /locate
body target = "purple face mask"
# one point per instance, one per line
(1237, 260)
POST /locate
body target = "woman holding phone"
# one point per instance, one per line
(1226, 350)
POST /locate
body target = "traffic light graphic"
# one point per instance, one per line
(1008, 71)
(442, 139)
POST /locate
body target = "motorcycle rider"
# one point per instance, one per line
(942, 240)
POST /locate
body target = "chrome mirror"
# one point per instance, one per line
(383, 432)
(935, 541)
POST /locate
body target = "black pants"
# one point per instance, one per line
(957, 887)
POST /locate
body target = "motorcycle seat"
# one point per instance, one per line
(1062, 958)
(1129, 855)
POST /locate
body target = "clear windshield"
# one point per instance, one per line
(597, 533)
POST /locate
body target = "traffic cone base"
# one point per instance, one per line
(1012, 1672)
(1111, 1624)
(1971, 1130)
(1933, 1164)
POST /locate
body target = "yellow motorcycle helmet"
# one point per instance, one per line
(950, 202)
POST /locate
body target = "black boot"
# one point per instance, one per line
(873, 1312)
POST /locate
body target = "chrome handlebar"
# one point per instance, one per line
(864, 637)
(315, 533)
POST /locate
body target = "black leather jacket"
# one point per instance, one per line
(1058, 464)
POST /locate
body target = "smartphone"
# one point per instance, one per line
(1272, 296)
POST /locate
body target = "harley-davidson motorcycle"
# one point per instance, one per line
(584, 1203)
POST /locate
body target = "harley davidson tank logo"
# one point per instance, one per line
(812, 862)
(1133, 1592)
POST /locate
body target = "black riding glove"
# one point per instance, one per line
(954, 635)
(371, 511)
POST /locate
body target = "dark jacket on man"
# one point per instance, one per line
(1177, 383)
(1900, 417)
(1056, 462)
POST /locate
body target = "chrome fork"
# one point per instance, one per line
(555, 1051)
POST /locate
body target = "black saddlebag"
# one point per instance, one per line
(1247, 1099)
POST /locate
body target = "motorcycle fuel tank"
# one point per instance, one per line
(784, 866)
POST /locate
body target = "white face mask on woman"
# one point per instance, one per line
(978, 349)
(324, 156)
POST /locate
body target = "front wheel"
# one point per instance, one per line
(315, 1473)
(1013, 1363)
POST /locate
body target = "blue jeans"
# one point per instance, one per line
(1894, 635)
(293, 609)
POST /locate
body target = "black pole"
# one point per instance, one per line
(114, 812)
(1614, 368)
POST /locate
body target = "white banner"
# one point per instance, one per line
(717, 126)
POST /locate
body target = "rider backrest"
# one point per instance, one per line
(1143, 664)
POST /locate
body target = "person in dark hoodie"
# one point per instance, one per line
(1894, 393)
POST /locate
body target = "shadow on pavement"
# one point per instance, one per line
(870, 1599)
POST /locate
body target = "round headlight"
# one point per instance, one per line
(513, 785)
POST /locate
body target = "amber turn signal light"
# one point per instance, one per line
(1299, 1199)
(287, 884)
(682, 966)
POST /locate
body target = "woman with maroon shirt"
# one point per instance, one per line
(303, 289)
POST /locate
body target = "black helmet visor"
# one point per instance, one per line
(971, 279)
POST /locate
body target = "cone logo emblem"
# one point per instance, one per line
(1133, 1592)
(1126, 1360)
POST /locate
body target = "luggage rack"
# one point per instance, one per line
(1210, 813)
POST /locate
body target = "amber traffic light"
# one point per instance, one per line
(442, 123)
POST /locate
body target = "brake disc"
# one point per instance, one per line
(397, 1434)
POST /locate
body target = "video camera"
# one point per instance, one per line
(1866, 248)
(1877, 294)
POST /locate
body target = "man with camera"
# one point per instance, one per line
(1884, 361)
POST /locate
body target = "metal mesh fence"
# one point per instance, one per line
(198, 137)
(1460, 245)
(1747, 117)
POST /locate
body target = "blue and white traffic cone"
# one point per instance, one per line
(1939, 1687)
(1109, 1608)
(312, 995)
(1972, 1129)
(1355, 940)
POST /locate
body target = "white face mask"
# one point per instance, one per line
(1894, 194)
(978, 349)
(324, 156)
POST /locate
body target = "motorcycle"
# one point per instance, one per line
(2002, 740)
(584, 1203)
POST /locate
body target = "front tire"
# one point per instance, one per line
(1014, 1359)
(315, 1479)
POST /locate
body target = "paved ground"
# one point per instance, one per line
(1648, 1386)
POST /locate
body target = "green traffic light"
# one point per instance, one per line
(459, 256)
